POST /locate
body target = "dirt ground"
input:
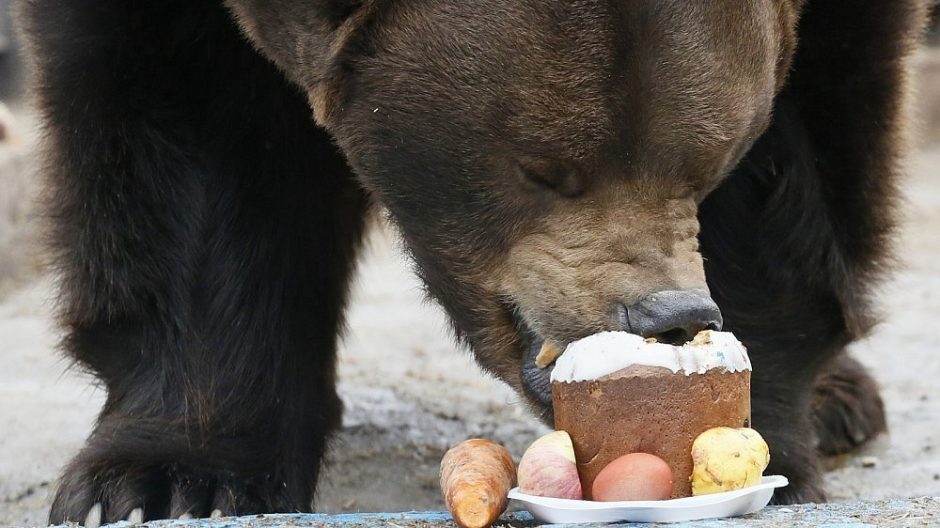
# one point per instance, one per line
(410, 392)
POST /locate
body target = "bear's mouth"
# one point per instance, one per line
(536, 380)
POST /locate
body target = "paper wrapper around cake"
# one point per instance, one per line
(650, 410)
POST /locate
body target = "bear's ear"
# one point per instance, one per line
(311, 41)
(847, 90)
(349, 21)
(338, 11)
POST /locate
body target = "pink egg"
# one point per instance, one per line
(633, 477)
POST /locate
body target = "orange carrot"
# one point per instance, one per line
(476, 476)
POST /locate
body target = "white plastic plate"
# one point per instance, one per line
(727, 504)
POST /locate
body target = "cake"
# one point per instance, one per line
(616, 393)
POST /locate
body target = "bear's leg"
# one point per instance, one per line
(205, 231)
(847, 408)
(798, 235)
(767, 239)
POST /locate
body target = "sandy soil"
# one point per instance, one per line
(410, 392)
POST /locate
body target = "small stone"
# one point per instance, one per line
(869, 461)
(936, 476)
(785, 510)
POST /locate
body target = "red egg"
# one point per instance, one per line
(633, 477)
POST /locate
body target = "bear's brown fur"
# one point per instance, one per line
(548, 163)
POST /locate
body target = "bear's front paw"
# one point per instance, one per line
(141, 472)
(92, 493)
(847, 408)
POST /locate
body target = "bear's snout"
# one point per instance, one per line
(671, 316)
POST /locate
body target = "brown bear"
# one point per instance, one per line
(555, 168)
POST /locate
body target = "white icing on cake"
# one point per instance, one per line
(607, 352)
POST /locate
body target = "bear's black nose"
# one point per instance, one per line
(672, 316)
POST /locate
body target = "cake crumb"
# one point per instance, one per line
(702, 338)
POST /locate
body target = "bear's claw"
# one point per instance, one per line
(93, 518)
(141, 494)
